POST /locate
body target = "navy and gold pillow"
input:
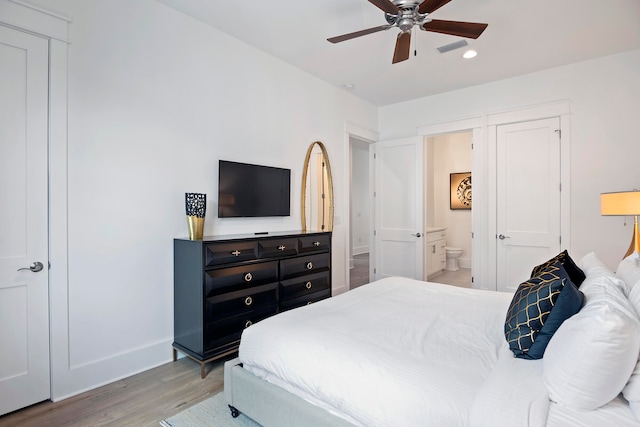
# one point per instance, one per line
(576, 275)
(537, 310)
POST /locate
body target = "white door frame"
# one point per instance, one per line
(479, 211)
(366, 135)
(25, 17)
(484, 243)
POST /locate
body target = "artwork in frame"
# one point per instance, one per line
(460, 190)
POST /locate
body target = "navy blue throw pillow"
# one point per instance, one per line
(576, 275)
(530, 318)
(568, 303)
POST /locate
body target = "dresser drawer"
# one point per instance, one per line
(277, 248)
(228, 331)
(314, 243)
(304, 285)
(230, 252)
(239, 302)
(301, 265)
(228, 279)
(304, 300)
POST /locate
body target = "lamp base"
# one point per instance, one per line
(635, 239)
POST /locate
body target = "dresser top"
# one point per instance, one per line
(257, 235)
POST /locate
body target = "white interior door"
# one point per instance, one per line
(528, 198)
(24, 293)
(399, 208)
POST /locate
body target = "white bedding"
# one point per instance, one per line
(400, 352)
(420, 350)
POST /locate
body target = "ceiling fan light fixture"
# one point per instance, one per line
(406, 14)
(470, 54)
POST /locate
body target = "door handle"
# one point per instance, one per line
(502, 237)
(417, 234)
(35, 267)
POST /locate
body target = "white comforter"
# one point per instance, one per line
(400, 352)
(396, 352)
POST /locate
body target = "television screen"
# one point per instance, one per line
(246, 190)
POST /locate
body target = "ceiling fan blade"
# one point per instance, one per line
(430, 6)
(403, 47)
(385, 6)
(338, 39)
(471, 30)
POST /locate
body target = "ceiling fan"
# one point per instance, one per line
(404, 14)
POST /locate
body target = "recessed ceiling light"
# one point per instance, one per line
(469, 54)
(349, 86)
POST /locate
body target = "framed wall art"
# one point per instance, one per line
(460, 190)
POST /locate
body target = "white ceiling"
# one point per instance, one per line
(523, 36)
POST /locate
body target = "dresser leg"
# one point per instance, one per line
(202, 370)
(175, 354)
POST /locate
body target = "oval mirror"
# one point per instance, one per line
(317, 190)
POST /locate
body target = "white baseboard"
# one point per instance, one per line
(88, 376)
(360, 250)
(464, 262)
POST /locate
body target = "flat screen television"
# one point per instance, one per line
(246, 190)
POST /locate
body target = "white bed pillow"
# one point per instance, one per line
(591, 265)
(592, 355)
(629, 270)
(631, 391)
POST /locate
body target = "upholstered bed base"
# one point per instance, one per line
(270, 405)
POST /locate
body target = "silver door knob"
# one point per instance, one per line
(417, 234)
(35, 267)
(502, 237)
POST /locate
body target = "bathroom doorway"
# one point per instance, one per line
(449, 154)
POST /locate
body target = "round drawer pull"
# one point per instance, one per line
(248, 301)
(309, 265)
(248, 277)
(308, 285)
(281, 247)
(316, 243)
(236, 253)
(310, 302)
(248, 323)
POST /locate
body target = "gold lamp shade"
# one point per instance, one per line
(623, 203)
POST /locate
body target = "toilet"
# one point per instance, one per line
(452, 258)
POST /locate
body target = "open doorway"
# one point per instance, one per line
(360, 208)
(449, 222)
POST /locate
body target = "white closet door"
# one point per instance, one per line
(24, 294)
(399, 235)
(528, 198)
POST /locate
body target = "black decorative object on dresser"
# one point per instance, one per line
(224, 284)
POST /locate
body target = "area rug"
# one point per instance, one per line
(213, 411)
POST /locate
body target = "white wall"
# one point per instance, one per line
(605, 100)
(155, 100)
(451, 154)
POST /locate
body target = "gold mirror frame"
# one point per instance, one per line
(325, 198)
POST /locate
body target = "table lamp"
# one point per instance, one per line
(624, 203)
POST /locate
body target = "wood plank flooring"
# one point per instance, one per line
(140, 400)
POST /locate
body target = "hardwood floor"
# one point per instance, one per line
(359, 274)
(140, 400)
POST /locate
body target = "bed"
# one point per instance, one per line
(401, 352)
